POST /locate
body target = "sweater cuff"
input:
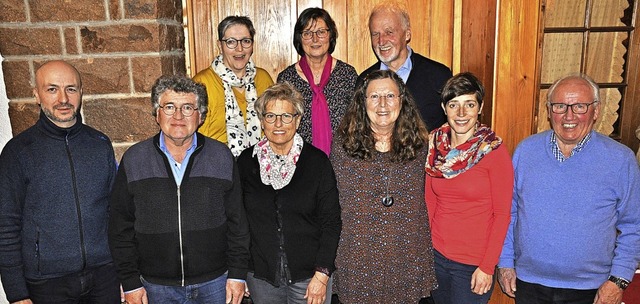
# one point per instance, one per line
(324, 270)
(506, 263)
(622, 272)
(488, 269)
(14, 284)
(237, 273)
(131, 284)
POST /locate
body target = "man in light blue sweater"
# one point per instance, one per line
(574, 235)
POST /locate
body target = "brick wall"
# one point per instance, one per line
(119, 46)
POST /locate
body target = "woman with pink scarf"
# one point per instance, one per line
(326, 83)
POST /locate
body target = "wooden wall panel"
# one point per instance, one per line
(201, 33)
(338, 11)
(515, 88)
(441, 18)
(359, 42)
(477, 47)
(630, 115)
(431, 22)
(274, 31)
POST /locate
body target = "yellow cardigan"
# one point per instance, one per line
(215, 125)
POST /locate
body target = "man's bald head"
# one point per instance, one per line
(57, 65)
(58, 91)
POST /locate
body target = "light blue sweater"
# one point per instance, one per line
(565, 215)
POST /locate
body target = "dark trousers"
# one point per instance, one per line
(454, 282)
(96, 285)
(531, 293)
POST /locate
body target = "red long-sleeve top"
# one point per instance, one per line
(470, 213)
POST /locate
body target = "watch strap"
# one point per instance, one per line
(620, 282)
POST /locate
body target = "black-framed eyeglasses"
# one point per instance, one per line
(576, 108)
(286, 118)
(186, 109)
(320, 33)
(232, 43)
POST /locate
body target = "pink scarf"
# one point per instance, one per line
(320, 122)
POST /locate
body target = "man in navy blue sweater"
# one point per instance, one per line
(575, 218)
(55, 180)
(390, 31)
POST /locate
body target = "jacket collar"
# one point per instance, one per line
(51, 129)
(199, 144)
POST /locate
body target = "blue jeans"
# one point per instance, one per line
(262, 292)
(454, 283)
(530, 293)
(211, 292)
(96, 285)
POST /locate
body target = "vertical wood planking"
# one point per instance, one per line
(420, 13)
(478, 47)
(440, 25)
(274, 31)
(630, 118)
(201, 46)
(338, 11)
(431, 22)
(516, 74)
(359, 42)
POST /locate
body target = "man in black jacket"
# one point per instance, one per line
(178, 230)
(55, 181)
(390, 34)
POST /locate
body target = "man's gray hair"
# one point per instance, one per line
(393, 7)
(594, 86)
(180, 84)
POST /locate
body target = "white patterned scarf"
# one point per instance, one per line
(239, 137)
(277, 170)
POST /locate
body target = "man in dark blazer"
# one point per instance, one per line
(390, 34)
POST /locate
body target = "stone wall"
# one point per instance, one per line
(119, 46)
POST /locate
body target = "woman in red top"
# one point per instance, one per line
(468, 192)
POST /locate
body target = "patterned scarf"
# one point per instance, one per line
(320, 123)
(446, 162)
(239, 137)
(276, 170)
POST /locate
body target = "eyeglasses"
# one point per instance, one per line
(377, 97)
(286, 118)
(232, 43)
(320, 33)
(186, 109)
(577, 108)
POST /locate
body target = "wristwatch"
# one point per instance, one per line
(620, 282)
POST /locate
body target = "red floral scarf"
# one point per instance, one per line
(446, 162)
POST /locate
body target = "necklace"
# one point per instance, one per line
(387, 199)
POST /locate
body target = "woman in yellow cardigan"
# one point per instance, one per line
(233, 85)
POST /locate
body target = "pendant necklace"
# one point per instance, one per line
(387, 200)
